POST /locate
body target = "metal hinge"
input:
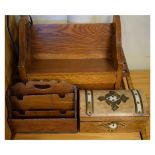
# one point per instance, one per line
(89, 102)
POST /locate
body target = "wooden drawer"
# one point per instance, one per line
(112, 126)
(49, 101)
(44, 125)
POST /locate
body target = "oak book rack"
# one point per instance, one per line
(74, 78)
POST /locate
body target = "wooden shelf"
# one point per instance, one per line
(87, 55)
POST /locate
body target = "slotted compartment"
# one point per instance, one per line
(43, 106)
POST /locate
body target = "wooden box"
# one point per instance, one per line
(88, 55)
(113, 111)
(39, 106)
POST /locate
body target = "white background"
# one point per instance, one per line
(58, 7)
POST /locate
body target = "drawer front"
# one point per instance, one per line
(43, 125)
(112, 126)
(50, 101)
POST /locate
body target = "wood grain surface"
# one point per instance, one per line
(72, 66)
(117, 46)
(44, 114)
(51, 101)
(141, 79)
(9, 63)
(41, 87)
(80, 72)
(24, 46)
(122, 126)
(63, 51)
(106, 79)
(80, 136)
(72, 41)
(44, 125)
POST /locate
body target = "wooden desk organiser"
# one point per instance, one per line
(88, 55)
(43, 107)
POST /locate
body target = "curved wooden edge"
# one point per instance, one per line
(117, 46)
(43, 87)
(24, 46)
(118, 60)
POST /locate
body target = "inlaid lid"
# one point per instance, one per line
(96, 105)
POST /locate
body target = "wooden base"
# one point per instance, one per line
(61, 125)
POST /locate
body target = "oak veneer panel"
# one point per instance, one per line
(86, 71)
(80, 136)
(80, 79)
(44, 125)
(97, 86)
(72, 66)
(72, 41)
